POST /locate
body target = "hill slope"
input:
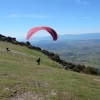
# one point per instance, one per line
(85, 52)
(22, 79)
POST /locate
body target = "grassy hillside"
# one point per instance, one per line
(22, 79)
(86, 52)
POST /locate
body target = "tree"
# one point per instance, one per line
(90, 70)
(27, 43)
(79, 68)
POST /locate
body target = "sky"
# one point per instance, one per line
(17, 17)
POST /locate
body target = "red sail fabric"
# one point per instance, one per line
(48, 29)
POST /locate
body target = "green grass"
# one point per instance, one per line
(85, 52)
(21, 77)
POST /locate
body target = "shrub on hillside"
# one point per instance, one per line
(56, 57)
(3, 38)
(90, 70)
(79, 68)
(69, 66)
(51, 54)
(27, 43)
(45, 52)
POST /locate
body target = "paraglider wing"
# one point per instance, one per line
(48, 29)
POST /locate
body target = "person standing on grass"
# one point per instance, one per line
(38, 60)
(7, 49)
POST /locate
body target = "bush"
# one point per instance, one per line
(27, 43)
(56, 57)
(45, 52)
(3, 38)
(76, 69)
(90, 70)
(69, 66)
(79, 68)
(98, 73)
(51, 54)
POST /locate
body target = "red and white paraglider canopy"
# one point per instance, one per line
(48, 29)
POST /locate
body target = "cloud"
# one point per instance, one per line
(59, 0)
(13, 16)
(86, 17)
(30, 16)
(77, 1)
(82, 2)
(35, 16)
(85, 2)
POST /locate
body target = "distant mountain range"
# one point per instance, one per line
(80, 36)
(86, 36)
(75, 48)
(80, 48)
(64, 38)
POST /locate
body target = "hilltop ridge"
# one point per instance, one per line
(55, 57)
(21, 77)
